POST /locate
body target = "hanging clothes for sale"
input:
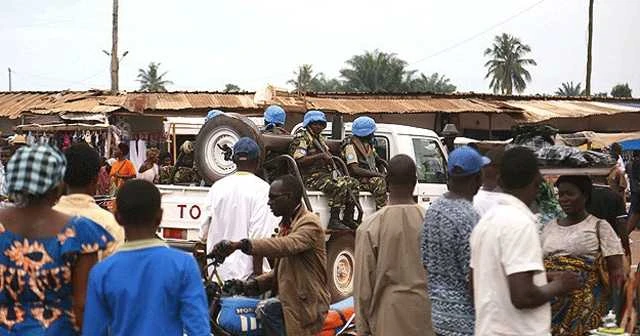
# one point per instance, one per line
(137, 152)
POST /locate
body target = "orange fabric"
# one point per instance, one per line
(122, 168)
(333, 321)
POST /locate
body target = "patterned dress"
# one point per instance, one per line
(445, 253)
(35, 278)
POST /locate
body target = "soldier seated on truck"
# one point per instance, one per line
(359, 153)
(274, 119)
(312, 155)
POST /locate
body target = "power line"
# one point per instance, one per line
(479, 34)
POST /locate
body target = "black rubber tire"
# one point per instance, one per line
(341, 246)
(223, 129)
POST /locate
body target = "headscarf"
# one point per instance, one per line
(33, 171)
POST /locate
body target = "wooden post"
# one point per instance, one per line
(9, 79)
(175, 157)
(490, 126)
(587, 89)
(114, 50)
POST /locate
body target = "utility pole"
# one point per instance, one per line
(589, 46)
(9, 79)
(115, 64)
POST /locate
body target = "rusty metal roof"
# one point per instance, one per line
(529, 109)
(13, 104)
(404, 105)
(541, 110)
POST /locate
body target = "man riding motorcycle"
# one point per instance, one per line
(299, 276)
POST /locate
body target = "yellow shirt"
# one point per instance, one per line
(85, 206)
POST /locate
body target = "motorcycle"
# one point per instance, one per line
(232, 314)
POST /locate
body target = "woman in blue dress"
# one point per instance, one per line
(45, 256)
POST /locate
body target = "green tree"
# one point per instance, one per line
(434, 84)
(321, 84)
(232, 88)
(621, 90)
(303, 78)
(507, 68)
(150, 79)
(376, 71)
(568, 89)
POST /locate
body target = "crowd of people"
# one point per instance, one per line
(501, 253)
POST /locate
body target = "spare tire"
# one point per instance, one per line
(219, 133)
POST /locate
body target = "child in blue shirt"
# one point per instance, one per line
(145, 288)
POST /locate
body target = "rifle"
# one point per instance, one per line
(339, 173)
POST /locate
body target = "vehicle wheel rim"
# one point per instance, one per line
(222, 136)
(343, 272)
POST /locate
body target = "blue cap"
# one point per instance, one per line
(274, 114)
(363, 126)
(213, 113)
(313, 116)
(465, 161)
(245, 149)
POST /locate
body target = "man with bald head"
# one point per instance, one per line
(390, 286)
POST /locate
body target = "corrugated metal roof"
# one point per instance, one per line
(140, 102)
(541, 110)
(523, 109)
(405, 105)
(12, 104)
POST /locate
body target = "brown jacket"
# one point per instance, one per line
(299, 275)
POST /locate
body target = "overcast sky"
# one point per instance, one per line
(203, 44)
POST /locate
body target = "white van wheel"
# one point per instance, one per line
(341, 264)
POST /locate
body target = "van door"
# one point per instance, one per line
(432, 169)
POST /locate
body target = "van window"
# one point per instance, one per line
(382, 147)
(430, 161)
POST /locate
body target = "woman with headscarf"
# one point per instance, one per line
(581, 243)
(45, 255)
(149, 170)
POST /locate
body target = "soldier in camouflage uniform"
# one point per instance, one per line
(184, 171)
(317, 170)
(274, 119)
(361, 158)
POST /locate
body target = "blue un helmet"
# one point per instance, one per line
(274, 114)
(313, 116)
(212, 114)
(363, 127)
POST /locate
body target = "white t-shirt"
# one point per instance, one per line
(484, 200)
(150, 174)
(237, 209)
(505, 242)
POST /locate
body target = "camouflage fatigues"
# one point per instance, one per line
(186, 175)
(165, 174)
(319, 176)
(364, 155)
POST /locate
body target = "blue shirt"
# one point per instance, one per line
(146, 288)
(445, 252)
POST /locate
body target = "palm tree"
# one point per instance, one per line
(151, 81)
(507, 68)
(232, 88)
(304, 77)
(320, 83)
(569, 90)
(376, 71)
(434, 84)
